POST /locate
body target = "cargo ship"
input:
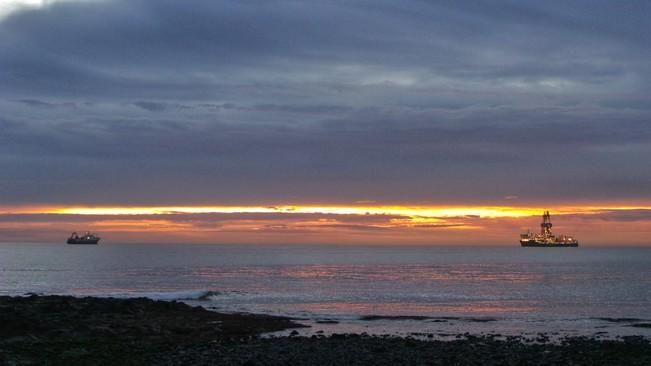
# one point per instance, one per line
(546, 238)
(87, 238)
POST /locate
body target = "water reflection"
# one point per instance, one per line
(315, 282)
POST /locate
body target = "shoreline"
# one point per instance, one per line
(60, 330)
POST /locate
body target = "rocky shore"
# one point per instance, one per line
(63, 330)
(59, 330)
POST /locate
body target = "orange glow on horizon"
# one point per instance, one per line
(370, 224)
(426, 211)
(410, 211)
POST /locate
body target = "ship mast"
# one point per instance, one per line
(546, 225)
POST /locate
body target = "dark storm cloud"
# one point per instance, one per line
(152, 46)
(151, 106)
(36, 103)
(147, 101)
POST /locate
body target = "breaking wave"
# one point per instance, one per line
(190, 295)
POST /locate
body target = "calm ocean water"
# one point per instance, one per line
(569, 291)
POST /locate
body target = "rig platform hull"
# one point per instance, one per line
(91, 242)
(549, 245)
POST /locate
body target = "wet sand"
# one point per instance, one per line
(59, 330)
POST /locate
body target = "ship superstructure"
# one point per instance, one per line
(87, 238)
(546, 238)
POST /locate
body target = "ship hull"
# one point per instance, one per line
(548, 245)
(80, 241)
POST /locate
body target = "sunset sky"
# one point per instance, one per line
(370, 122)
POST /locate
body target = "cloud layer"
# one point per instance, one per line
(165, 102)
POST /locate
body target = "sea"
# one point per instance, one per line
(395, 290)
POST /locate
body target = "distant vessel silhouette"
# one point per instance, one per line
(546, 238)
(87, 238)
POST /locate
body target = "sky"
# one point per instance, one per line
(418, 122)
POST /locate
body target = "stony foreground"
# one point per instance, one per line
(55, 330)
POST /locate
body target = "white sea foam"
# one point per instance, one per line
(189, 295)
